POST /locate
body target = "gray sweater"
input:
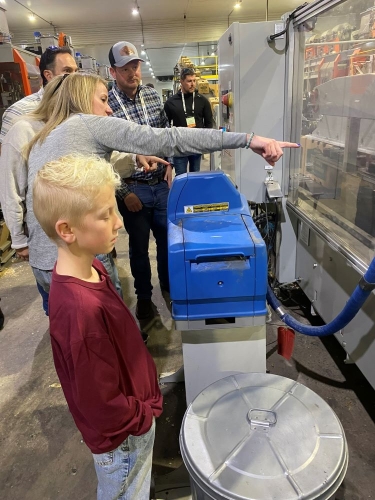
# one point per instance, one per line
(100, 135)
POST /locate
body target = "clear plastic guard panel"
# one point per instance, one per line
(334, 183)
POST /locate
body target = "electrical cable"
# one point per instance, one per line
(140, 17)
(353, 305)
(276, 223)
(37, 15)
(271, 38)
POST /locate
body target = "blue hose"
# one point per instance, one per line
(354, 304)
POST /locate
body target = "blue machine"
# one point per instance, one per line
(217, 258)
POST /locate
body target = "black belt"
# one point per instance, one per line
(150, 182)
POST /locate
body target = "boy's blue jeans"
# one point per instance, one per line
(125, 473)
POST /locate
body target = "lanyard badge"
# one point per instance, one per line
(125, 111)
(190, 120)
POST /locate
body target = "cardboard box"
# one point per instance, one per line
(213, 101)
(185, 62)
(214, 88)
(203, 87)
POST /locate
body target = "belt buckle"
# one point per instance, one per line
(153, 181)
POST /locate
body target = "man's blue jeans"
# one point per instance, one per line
(152, 216)
(180, 164)
(107, 260)
(125, 473)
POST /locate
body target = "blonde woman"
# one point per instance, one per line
(73, 128)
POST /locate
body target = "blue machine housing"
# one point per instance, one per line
(217, 258)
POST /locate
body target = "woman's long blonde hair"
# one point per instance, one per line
(47, 104)
(75, 95)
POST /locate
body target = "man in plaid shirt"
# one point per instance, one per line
(142, 198)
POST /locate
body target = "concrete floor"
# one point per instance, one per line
(42, 455)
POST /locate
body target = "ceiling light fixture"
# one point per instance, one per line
(151, 70)
(143, 52)
(135, 12)
(148, 63)
(33, 15)
(237, 5)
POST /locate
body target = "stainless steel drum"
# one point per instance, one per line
(258, 436)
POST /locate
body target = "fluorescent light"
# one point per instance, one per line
(135, 12)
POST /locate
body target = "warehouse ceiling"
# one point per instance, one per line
(167, 28)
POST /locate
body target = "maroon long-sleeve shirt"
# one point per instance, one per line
(106, 372)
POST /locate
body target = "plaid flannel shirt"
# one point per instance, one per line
(156, 118)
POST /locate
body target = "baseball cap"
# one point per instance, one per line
(123, 53)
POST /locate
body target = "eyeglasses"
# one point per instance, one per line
(60, 83)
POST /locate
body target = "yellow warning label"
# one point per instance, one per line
(208, 207)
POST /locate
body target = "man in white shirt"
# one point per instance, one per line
(53, 62)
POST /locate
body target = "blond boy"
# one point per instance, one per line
(108, 377)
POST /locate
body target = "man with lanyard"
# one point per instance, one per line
(188, 108)
(142, 198)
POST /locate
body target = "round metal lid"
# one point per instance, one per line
(258, 436)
